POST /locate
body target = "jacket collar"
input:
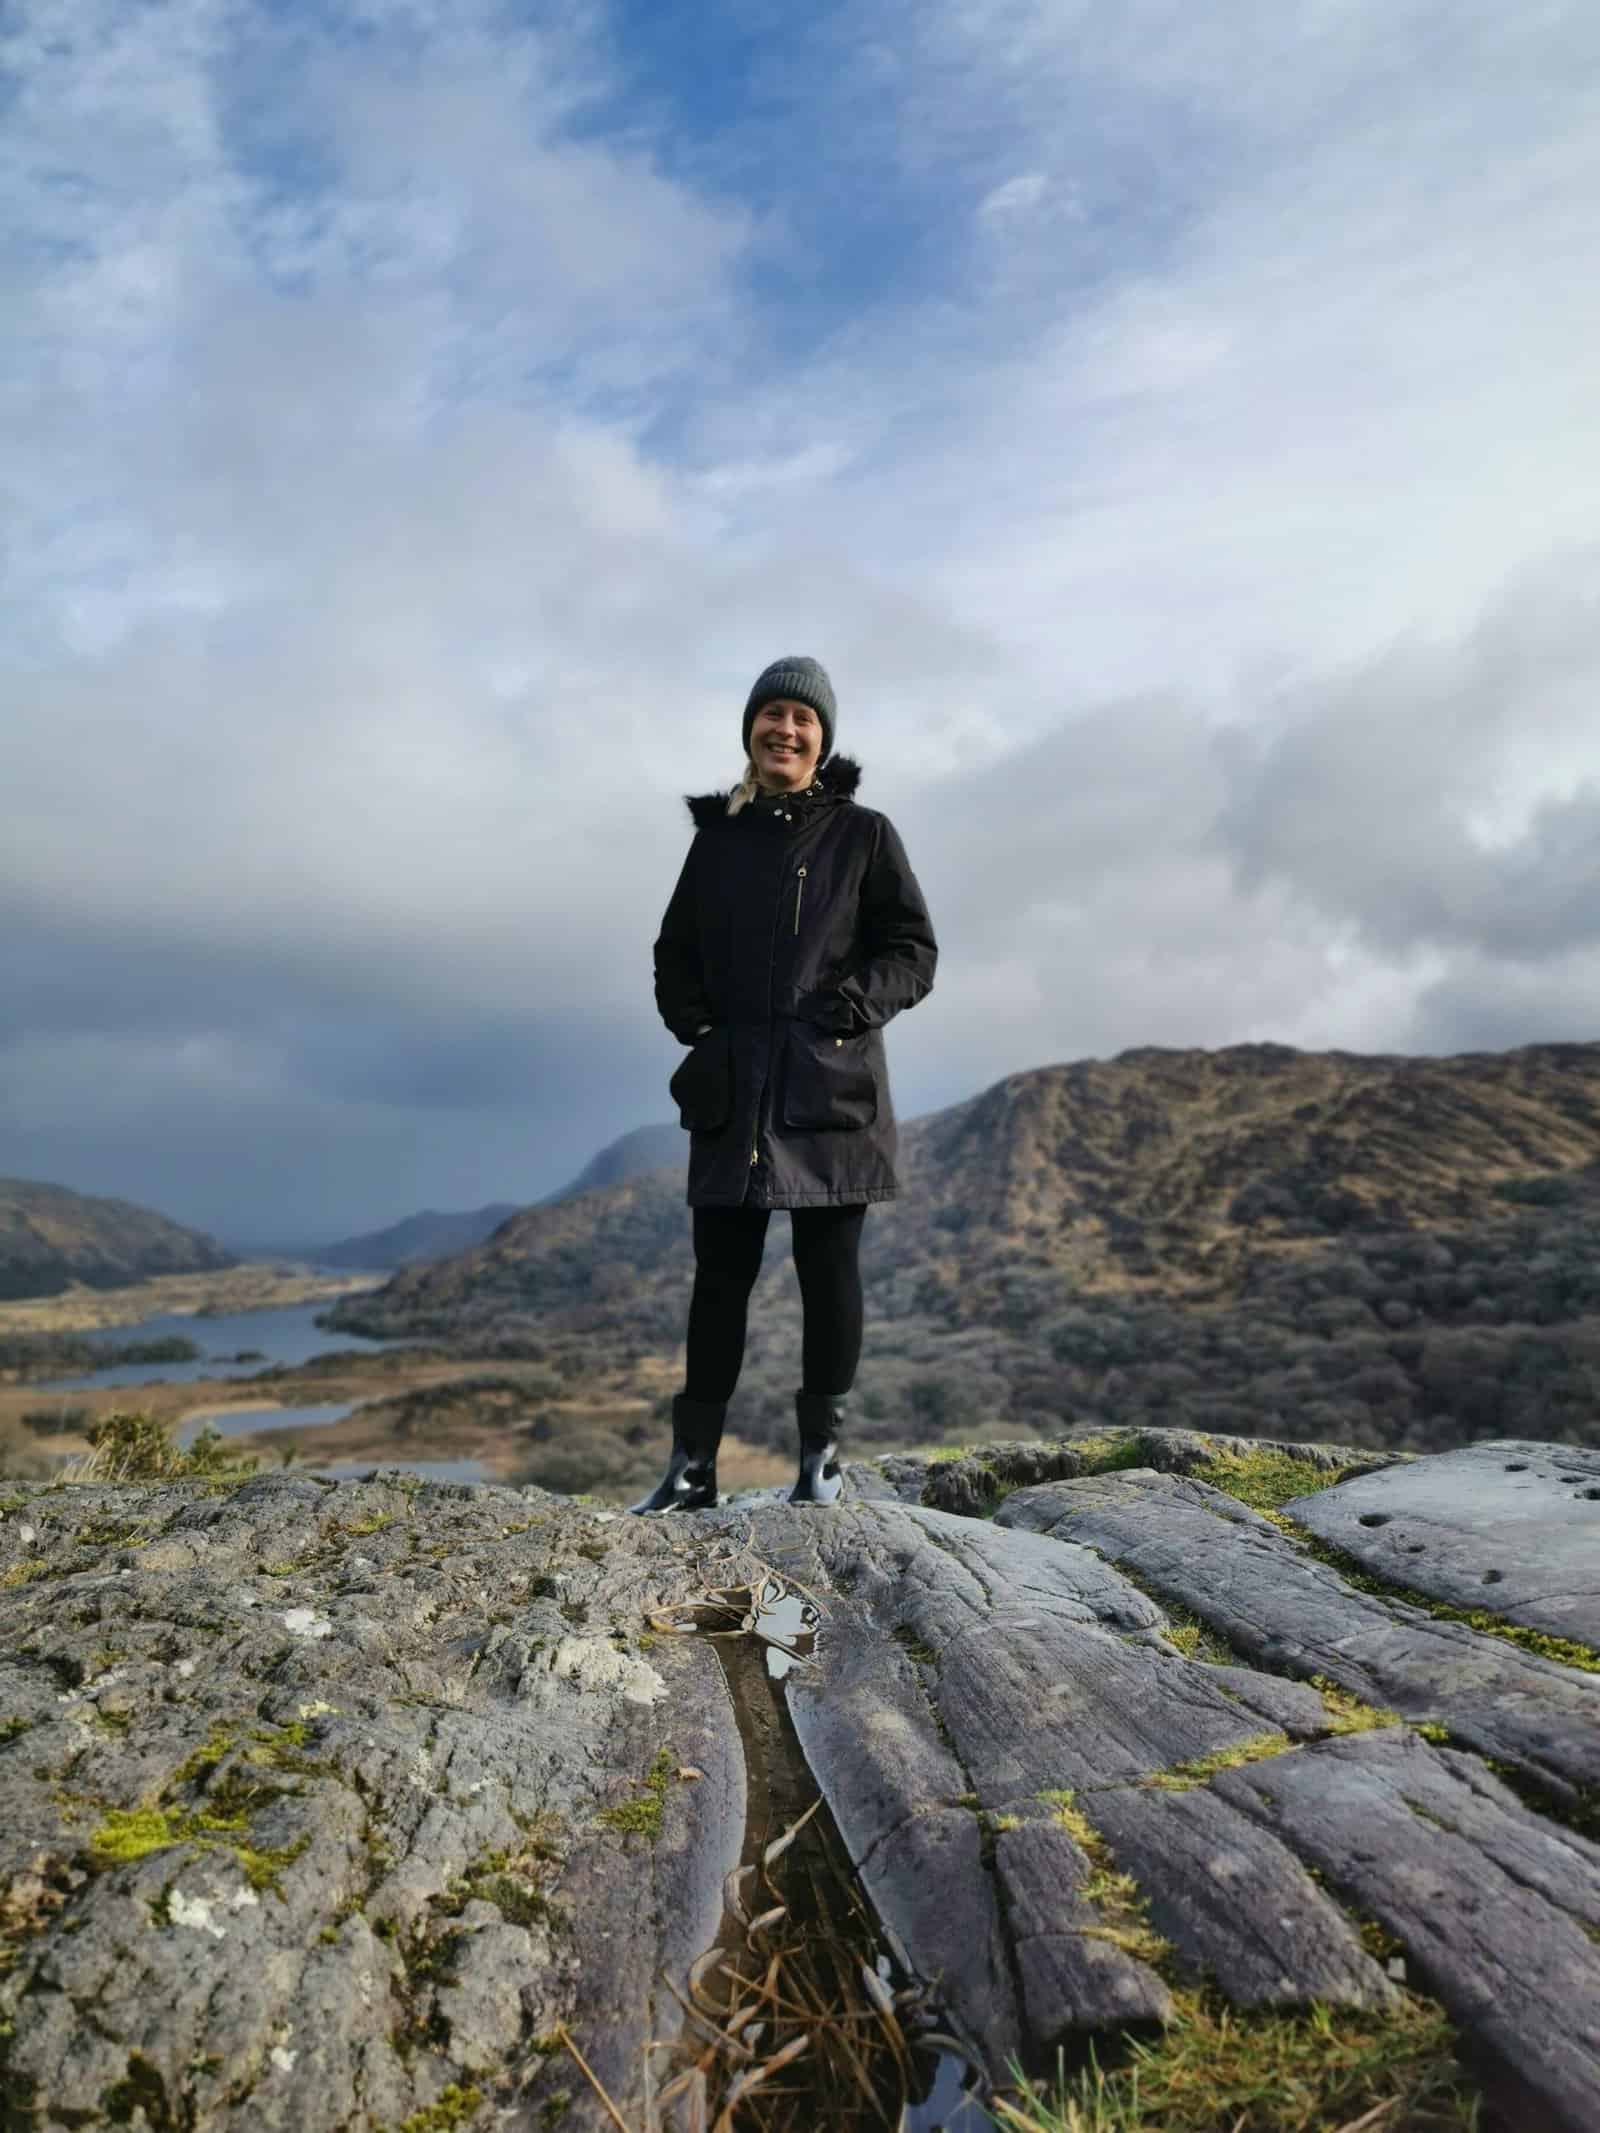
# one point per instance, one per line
(835, 781)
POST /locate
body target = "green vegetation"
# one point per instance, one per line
(641, 1816)
(23, 1572)
(1348, 1714)
(1264, 1477)
(1259, 1748)
(1185, 1631)
(134, 1446)
(1215, 2070)
(453, 2108)
(1110, 1455)
(511, 1879)
(141, 2093)
(127, 1835)
(1115, 1896)
(220, 1821)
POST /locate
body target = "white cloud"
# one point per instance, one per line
(402, 480)
(1016, 195)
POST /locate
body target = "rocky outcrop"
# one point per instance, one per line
(400, 1806)
(1510, 1525)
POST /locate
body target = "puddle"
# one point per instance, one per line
(780, 1615)
(799, 2015)
(786, 1620)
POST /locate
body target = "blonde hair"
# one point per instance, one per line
(745, 791)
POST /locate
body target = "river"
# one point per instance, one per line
(236, 1422)
(289, 1334)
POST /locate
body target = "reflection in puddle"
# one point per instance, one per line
(953, 2102)
(782, 1615)
(786, 1620)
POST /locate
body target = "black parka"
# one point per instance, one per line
(796, 930)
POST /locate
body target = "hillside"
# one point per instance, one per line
(51, 1238)
(417, 1239)
(422, 1239)
(1385, 1250)
(633, 1155)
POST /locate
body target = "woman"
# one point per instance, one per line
(795, 931)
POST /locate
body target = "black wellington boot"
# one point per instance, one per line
(690, 1482)
(821, 1419)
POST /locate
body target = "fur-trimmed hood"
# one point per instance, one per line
(836, 780)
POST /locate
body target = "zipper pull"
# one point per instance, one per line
(755, 1157)
(799, 890)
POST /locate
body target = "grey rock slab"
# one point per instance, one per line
(1035, 1662)
(307, 1815)
(1072, 1975)
(929, 1883)
(1468, 1880)
(1292, 1707)
(1508, 1526)
(964, 1669)
(1281, 1609)
(1235, 1904)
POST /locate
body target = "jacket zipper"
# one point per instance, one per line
(799, 891)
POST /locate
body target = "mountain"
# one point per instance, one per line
(1380, 1249)
(51, 1238)
(422, 1239)
(636, 1154)
(418, 1238)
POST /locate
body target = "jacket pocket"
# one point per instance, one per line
(702, 1088)
(829, 1085)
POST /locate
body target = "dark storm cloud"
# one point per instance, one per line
(1412, 796)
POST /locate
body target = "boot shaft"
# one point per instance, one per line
(820, 1417)
(697, 1426)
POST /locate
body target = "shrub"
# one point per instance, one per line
(134, 1446)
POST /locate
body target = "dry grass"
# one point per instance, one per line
(788, 2024)
(240, 1288)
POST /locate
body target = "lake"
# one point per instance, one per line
(232, 1422)
(288, 1334)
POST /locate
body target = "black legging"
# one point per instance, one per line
(728, 1244)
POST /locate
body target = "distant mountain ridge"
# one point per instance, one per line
(424, 1238)
(1256, 1238)
(417, 1239)
(1166, 1172)
(51, 1238)
(632, 1155)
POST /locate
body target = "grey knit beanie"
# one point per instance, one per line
(802, 681)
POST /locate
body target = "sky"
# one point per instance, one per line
(1177, 429)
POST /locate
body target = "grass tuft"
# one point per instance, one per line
(1115, 1896)
(1315, 2072)
(1267, 1478)
(1347, 1713)
(1259, 1748)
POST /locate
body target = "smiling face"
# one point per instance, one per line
(785, 742)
